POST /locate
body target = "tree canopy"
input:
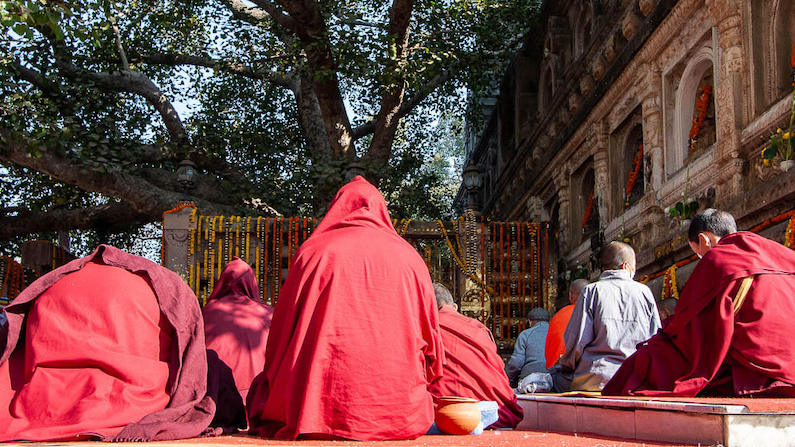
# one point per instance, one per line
(272, 100)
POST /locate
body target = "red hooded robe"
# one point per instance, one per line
(707, 349)
(236, 323)
(355, 337)
(109, 346)
(473, 368)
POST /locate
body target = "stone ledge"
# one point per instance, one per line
(733, 422)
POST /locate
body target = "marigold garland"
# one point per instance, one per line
(588, 210)
(702, 104)
(633, 173)
(669, 284)
(789, 235)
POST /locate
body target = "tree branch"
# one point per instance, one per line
(408, 105)
(394, 80)
(241, 11)
(72, 219)
(280, 17)
(143, 196)
(286, 80)
(311, 30)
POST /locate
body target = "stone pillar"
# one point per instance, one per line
(729, 96)
(562, 184)
(176, 234)
(601, 171)
(652, 128)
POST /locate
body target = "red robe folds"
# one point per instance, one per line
(108, 346)
(473, 368)
(707, 349)
(355, 338)
(555, 347)
(236, 323)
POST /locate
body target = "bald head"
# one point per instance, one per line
(575, 288)
(618, 255)
(443, 296)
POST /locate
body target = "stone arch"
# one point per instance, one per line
(780, 39)
(631, 146)
(700, 64)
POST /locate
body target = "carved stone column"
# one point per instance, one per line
(601, 170)
(562, 184)
(652, 128)
(729, 97)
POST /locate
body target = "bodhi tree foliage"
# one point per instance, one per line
(274, 101)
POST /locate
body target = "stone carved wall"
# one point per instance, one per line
(687, 36)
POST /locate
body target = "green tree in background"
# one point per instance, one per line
(272, 100)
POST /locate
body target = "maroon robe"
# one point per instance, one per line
(473, 368)
(355, 338)
(707, 349)
(108, 346)
(236, 323)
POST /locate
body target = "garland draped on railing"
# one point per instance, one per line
(669, 289)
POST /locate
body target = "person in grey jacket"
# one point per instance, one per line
(611, 317)
(528, 352)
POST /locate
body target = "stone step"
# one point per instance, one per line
(704, 421)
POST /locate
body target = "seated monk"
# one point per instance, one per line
(355, 341)
(555, 347)
(236, 323)
(473, 368)
(528, 351)
(731, 334)
(109, 346)
(610, 318)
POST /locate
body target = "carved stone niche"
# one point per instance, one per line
(611, 49)
(647, 6)
(535, 209)
(575, 101)
(630, 25)
(599, 67)
(586, 85)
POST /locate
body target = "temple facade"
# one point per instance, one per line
(614, 112)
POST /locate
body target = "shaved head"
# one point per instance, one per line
(443, 296)
(575, 288)
(617, 254)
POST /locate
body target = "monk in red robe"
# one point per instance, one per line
(236, 323)
(355, 341)
(110, 346)
(472, 366)
(555, 347)
(731, 333)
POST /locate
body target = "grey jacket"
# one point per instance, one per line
(528, 353)
(610, 318)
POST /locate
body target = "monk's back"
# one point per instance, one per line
(353, 340)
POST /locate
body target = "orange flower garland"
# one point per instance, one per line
(633, 174)
(669, 284)
(702, 104)
(588, 210)
(789, 235)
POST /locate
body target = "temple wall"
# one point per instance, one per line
(607, 78)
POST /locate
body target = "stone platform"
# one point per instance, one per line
(702, 421)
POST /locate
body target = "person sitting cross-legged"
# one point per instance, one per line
(731, 334)
(109, 347)
(610, 318)
(528, 351)
(473, 368)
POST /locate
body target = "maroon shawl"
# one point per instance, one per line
(188, 410)
(705, 348)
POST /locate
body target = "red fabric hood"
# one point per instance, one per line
(237, 280)
(355, 338)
